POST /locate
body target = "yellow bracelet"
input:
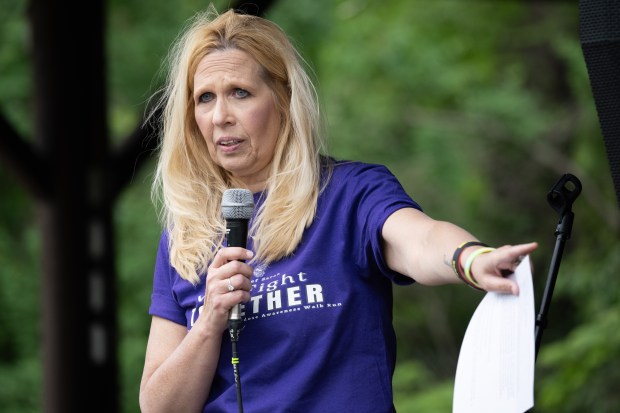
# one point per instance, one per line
(470, 260)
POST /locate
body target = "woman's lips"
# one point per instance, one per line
(229, 144)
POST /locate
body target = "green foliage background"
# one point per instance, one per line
(477, 106)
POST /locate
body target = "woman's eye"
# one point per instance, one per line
(205, 97)
(241, 93)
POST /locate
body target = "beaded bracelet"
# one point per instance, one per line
(456, 262)
(470, 260)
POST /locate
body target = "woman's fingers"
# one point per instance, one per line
(237, 282)
(224, 255)
(228, 283)
(501, 285)
(512, 255)
(492, 268)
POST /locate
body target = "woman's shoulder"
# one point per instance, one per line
(342, 168)
(353, 176)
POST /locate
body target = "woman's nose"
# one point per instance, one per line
(222, 113)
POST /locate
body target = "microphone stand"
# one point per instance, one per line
(561, 198)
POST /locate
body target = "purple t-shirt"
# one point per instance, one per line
(318, 334)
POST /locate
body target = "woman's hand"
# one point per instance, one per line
(228, 284)
(490, 269)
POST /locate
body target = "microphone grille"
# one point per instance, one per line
(237, 203)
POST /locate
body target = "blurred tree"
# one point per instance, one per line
(74, 177)
(479, 108)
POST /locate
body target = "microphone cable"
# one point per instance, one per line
(233, 330)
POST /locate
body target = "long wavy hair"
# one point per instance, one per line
(188, 185)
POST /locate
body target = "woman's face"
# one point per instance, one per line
(237, 116)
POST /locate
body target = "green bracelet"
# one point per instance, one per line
(469, 262)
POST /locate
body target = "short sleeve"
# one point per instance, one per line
(373, 193)
(163, 300)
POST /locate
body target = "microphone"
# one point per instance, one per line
(237, 209)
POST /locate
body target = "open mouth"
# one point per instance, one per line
(230, 142)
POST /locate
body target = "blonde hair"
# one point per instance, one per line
(189, 185)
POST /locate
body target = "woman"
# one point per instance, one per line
(327, 240)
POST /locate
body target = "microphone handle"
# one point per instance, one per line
(236, 236)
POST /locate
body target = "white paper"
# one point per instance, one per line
(495, 370)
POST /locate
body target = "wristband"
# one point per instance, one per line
(456, 262)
